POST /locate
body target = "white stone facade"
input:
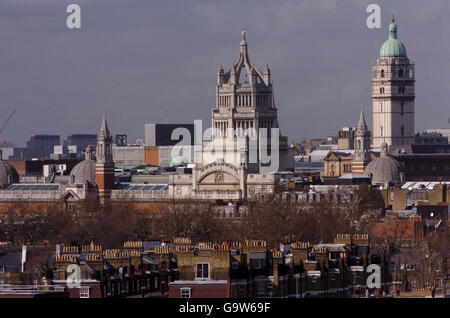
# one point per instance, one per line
(393, 95)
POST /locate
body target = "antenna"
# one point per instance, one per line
(7, 121)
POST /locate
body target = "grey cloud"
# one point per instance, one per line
(137, 60)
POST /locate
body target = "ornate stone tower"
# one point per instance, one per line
(244, 98)
(393, 94)
(362, 146)
(104, 167)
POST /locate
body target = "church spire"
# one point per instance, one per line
(104, 131)
(362, 121)
(104, 144)
(361, 146)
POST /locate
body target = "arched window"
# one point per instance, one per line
(382, 73)
(402, 131)
(359, 144)
(381, 131)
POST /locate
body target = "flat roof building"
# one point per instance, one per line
(43, 141)
(161, 134)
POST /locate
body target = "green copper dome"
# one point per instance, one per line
(393, 46)
(178, 161)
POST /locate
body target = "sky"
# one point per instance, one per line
(151, 61)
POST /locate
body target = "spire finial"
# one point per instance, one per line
(243, 48)
(104, 130)
(393, 29)
(362, 121)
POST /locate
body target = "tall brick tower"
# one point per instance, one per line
(104, 167)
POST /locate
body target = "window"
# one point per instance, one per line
(382, 73)
(256, 264)
(2, 269)
(84, 292)
(402, 131)
(347, 168)
(185, 292)
(261, 288)
(402, 108)
(400, 73)
(203, 270)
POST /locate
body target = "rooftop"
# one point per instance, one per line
(33, 186)
(141, 186)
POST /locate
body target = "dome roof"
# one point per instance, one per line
(8, 174)
(393, 46)
(384, 169)
(178, 161)
(83, 171)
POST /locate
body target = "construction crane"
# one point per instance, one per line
(7, 121)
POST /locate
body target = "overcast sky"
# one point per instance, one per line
(139, 61)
